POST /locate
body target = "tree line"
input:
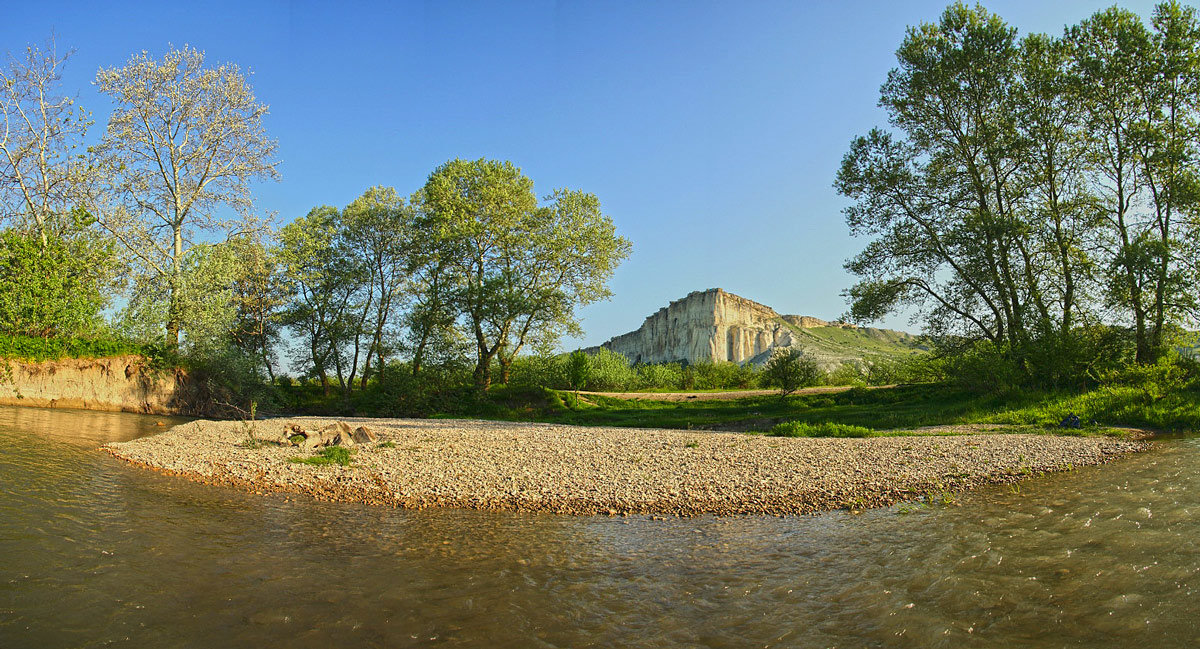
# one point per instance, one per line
(151, 234)
(1036, 197)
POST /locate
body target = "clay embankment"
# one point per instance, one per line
(120, 384)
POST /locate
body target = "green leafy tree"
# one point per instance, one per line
(53, 287)
(578, 371)
(331, 295)
(789, 370)
(184, 140)
(380, 228)
(259, 295)
(514, 271)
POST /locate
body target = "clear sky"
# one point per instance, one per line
(710, 131)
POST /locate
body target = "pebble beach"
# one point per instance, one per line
(577, 470)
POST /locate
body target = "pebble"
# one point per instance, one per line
(612, 471)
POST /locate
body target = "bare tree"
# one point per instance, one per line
(41, 141)
(183, 141)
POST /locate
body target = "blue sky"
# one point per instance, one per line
(711, 132)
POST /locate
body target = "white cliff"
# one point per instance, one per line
(715, 326)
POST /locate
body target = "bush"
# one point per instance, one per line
(827, 429)
(915, 368)
(52, 291)
(789, 371)
(847, 374)
(660, 376)
(34, 348)
(723, 375)
(610, 372)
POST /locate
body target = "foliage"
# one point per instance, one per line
(826, 429)
(329, 285)
(37, 348)
(184, 140)
(53, 286)
(789, 371)
(578, 371)
(514, 271)
(1032, 189)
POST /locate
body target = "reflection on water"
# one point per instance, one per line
(96, 553)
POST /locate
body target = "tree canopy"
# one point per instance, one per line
(1032, 189)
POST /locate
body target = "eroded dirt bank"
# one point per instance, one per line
(119, 384)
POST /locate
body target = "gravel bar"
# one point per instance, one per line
(585, 470)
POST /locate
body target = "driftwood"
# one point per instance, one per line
(335, 434)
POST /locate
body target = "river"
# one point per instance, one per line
(96, 553)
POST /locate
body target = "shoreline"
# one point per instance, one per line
(561, 469)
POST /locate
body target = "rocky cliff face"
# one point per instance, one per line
(124, 383)
(715, 325)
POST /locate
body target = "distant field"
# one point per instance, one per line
(897, 408)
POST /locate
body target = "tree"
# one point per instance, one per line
(579, 370)
(42, 165)
(514, 270)
(381, 226)
(259, 293)
(324, 281)
(789, 370)
(53, 287)
(1140, 90)
(183, 141)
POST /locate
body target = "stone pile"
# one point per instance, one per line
(335, 434)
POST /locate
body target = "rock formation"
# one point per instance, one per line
(715, 325)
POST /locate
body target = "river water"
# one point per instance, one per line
(96, 553)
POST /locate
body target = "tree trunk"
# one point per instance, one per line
(266, 356)
(483, 374)
(173, 297)
(505, 369)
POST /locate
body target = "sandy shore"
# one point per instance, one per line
(584, 470)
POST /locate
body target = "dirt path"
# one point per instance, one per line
(717, 396)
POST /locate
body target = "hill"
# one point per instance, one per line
(716, 325)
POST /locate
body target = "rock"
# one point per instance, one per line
(364, 435)
(715, 326)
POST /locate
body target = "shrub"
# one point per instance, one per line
(847, 374)
(723, 375)
(56, 290)
(827, 429)
(789, 371)
(660, 376)
(34, 348)
(610, 372)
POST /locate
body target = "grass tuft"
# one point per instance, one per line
(328, 455)
(826, 429)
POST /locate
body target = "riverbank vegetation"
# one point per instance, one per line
(1033, 206)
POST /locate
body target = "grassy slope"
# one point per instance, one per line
(861, 343)
(904, 407)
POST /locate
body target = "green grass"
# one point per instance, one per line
(896, 410)
(328, 455)
(827, 429)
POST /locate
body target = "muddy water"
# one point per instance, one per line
(96, 553)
